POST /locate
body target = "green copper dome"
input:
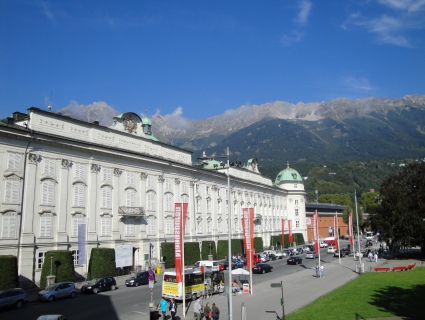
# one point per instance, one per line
(146, 121)
(214, 165)
(288, 175)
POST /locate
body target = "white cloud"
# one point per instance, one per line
(304, 13)
(177, 121)
(405, 5)
(357, 83)
(292, 38)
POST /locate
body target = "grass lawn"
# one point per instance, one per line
(371, 295)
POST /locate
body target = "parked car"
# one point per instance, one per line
(16, 297)
(239, 263)
(272, 257)
(257, 258)
(137, 279)
(288, 252)
(294, 260)
(58, 291)
(306, 248)
(99, 284)
(262, 268)
(323, 244)
(299, 250)
(264, 258)
(331, 249)
(278, 254)
(226, 265)
(337, 253)
(311, 255)
(294, 251)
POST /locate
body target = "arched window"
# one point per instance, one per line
(79, 191)
(48, 193)
(130, 195)
(150, 201)
(106, 197)
(168, 202)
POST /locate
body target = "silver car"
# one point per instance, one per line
(311, 255)
(57, 291)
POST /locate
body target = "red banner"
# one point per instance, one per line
(290, 231)
(316, 230)
(283, 232)
(179, 227)
(350, 229)
(248, 232)
(336, 230)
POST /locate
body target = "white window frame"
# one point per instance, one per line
(106, 197)
(79, 171)
(168, 202)
(49, 167)
(130, 228)
(130, 197)
(77, 220)
(48, 192)
(169, 226)
(150, 200)
(40, 259)
(46, 226)
(14, 161)
(130, 178)
(75, 256)
(9, 226)
(105, 226)
(151, 226)
(79, 191)
(12, 191)
(297, 212)
(106, 174)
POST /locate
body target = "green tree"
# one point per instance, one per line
(341, 199)
(400, 215)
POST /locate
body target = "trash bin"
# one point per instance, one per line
(245, 288)
(158, 270)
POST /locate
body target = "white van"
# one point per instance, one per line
(369, 235)
(207, 263)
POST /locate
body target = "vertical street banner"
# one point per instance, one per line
(350, 228)
(315, 230)
(178, 240)
(290, 231)
(336, 230)
(248, 232)
(82, 243)
(283, 232)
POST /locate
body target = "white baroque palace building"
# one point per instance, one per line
(120, 181)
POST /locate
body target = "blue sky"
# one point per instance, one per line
(201, 58)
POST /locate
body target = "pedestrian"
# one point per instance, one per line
(197, 310)
(207, 311)
(370, 255)
(322, 271)
(201, 300)
(173, 309)
(163, 304)
(215, 312)
(151, 278)
(317, 271)
(376, 256)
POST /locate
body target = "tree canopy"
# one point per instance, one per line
(399, 217)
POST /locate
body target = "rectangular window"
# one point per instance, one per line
(40, 260)
(8, 227)
(296, 212)
(167, 184)
(14, 161)
(79, 195)
(169, 226)
(150, 201)
(48, 193)
(45, 227)
(11, 191)
(105, 223)
(150, 228)
(106, 197)
(75, 256)
(129, 227)
(150, 183)
(297, 224)
(79, 171)
(106, 175)
(49, 167)
(296, 202)
(75, 222)
(130, 178)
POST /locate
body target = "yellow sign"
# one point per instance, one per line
(171, 288)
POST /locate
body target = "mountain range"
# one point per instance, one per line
(277, 132)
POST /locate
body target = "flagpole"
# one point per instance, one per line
(229, 238)
(337, 234)
(316, 226)
(182, 266)
(358, 233)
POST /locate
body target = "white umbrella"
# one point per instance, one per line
(240, 271)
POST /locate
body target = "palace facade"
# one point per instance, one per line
(122, 183)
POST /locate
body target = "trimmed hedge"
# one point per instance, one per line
(8, 272)
(205, 252)
(60, 263)
(297, 237)
(191, 253)
(102, 263)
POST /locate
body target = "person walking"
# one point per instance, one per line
(207, 311)
(215, 312)
(376, 256)
(322, 271)
(173, 309)
(197, 309)
(317, 271)
(163, 304)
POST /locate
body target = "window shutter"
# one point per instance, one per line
(45, 226)
(79, 195)
(129, 198)
(130, 178)
(14, 161)
(47, 193)
(107, 174)
(49, 167)
(106, 197)
(9, 227)
(11, 194)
